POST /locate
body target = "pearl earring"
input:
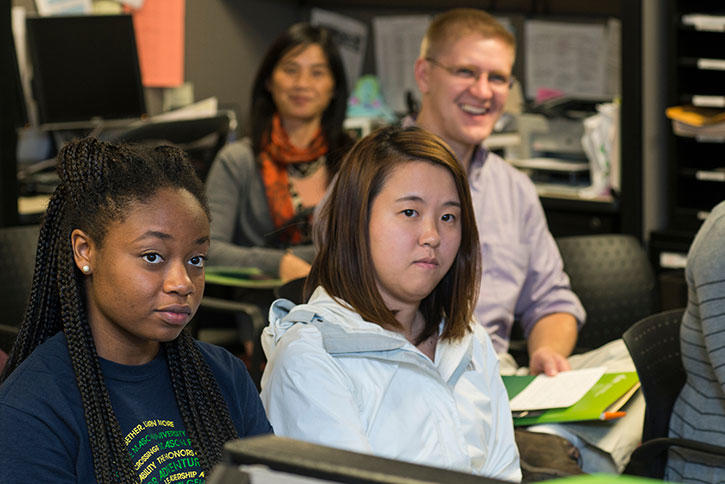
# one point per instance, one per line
(86, 269)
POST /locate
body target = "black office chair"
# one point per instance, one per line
(233, 312)
(17, 263)
(292, 290)
(200, 138)
(654, 345)
(614, 280)
(239, 305)
(221, 308)
(234, 303)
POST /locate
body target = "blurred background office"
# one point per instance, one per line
(658, 178)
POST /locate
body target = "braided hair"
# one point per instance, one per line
(99, 181)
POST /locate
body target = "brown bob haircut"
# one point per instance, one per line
(343, 264)
(459, 22)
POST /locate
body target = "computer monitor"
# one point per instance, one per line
(85, 70)
(20, 113)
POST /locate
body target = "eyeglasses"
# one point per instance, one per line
(470, 75)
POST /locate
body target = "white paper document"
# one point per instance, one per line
(63, 7)
(201, 109)
(562, 390)
(567, 57)
(712, 23)
(397, 46)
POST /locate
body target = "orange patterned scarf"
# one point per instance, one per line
(277, 153)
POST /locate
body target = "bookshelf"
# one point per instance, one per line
(695, 165)
(697, 76)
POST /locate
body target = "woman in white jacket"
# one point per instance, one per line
(385, 357)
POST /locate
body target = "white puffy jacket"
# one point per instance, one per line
(335, 379)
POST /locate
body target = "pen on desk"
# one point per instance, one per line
(527, 413)
(612, 415)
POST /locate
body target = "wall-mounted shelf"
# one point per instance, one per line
(697, 76)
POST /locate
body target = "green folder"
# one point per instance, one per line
(603, 479)
(249, 277)
(602, 402)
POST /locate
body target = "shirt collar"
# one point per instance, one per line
(480, 152)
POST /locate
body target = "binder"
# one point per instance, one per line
(604, 401)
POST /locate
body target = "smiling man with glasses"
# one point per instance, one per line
(464, 76)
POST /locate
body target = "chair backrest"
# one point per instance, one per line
(292, 290)
(200, 138)
(614, 280)
(18, 246)
(654, 345)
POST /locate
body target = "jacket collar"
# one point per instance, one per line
(345, 333)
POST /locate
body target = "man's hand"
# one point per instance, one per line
(546, 360)
(551, 340)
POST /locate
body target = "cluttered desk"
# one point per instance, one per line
(87, 82)
(569, 148)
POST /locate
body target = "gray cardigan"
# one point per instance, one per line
(240, 216)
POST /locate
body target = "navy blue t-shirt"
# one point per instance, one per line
(43, 433)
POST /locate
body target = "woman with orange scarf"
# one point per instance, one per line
(262, 189)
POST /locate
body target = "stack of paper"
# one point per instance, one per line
(588, 394)
(712, 23)
(699, 122)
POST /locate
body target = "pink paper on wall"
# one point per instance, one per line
(159, 26)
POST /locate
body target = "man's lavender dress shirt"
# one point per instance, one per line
(523, 277)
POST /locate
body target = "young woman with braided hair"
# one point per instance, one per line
(103, 384)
